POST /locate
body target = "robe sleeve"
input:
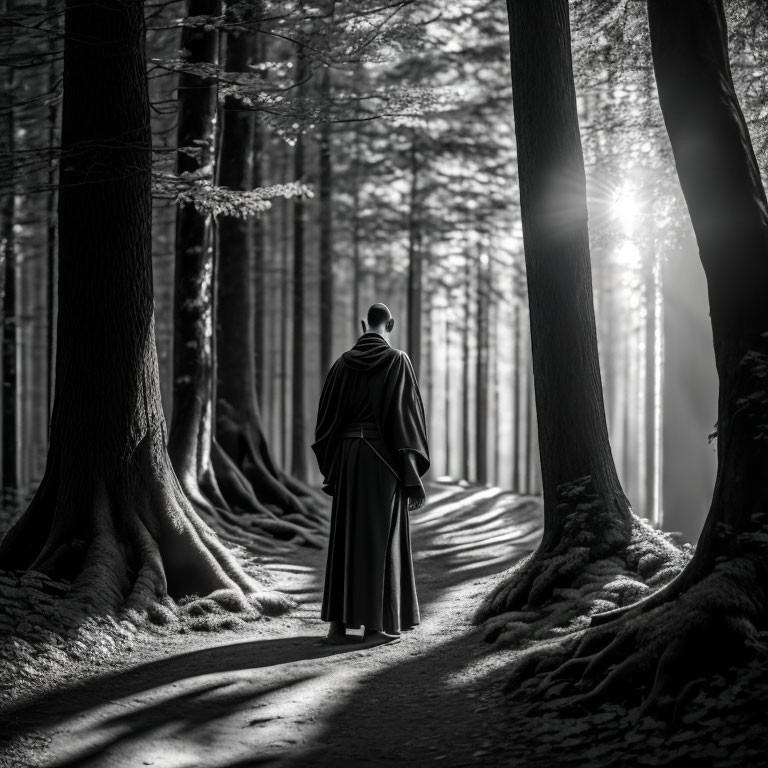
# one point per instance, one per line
(414, 488)
(326, 442)
(400, 413)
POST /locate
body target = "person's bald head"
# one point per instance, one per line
(380, 319)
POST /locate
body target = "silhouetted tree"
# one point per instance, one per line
(191, 434)
(10, 334)
(298, 436)
(247, 473)
(110, 513)
(721, 594)
(586, 514)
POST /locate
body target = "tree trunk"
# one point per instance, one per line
(654, 352)
(414, 265)
(325, 195)
(496, 411)
(448, 414)
(189, 442)
(357, 270)
(573, 437)
(465, 371)
(586, 514)
(243, 451)
(428, 376)
(298, 436)
(517, 390)
(10, 393)
(259, 243)
(51, 235)
(481, 374)
(284, 314)
(109, 512)
(727, 204)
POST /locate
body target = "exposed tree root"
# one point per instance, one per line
(137, 540)
(136, 554)
(220, 492)
(240, 507)
(244, 444)
(591, 569)
(657, 656)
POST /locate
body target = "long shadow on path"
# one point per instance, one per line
(251, 702)
(216, 660)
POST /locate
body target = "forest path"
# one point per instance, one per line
(275, 696)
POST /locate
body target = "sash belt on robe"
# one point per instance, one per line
(365, 431)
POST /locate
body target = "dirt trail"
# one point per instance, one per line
(277, 697)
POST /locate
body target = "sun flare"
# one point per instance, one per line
(625, 208)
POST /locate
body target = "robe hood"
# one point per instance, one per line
(370, 353)
(394, 397)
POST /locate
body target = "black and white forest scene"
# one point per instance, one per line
(383, 383)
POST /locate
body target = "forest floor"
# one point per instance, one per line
(273, 695)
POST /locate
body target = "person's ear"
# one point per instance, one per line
(390, 324)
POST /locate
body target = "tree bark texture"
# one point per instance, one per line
(10, 367)
(284, 313)
(573, 437)
(51, 233)
(109, 512)
(242, 448)
(325, 209)
(189, 442)
(587, 517)
(447, 385)
(465, 425)
(517, 485)
(256, 52)
(414, 265)
(298, 436)
(720, 179)
(655, 645)
(481, 373)
(357, 266)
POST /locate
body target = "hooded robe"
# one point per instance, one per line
(371, 447)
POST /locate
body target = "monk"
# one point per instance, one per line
(371, 446)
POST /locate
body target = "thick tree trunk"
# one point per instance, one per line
(110, 513)
(189, 442)
(239, 427)
(726, 200)
(530, 424)
(573, 437)
(586, 514)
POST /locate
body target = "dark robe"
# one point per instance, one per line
(371, 446)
